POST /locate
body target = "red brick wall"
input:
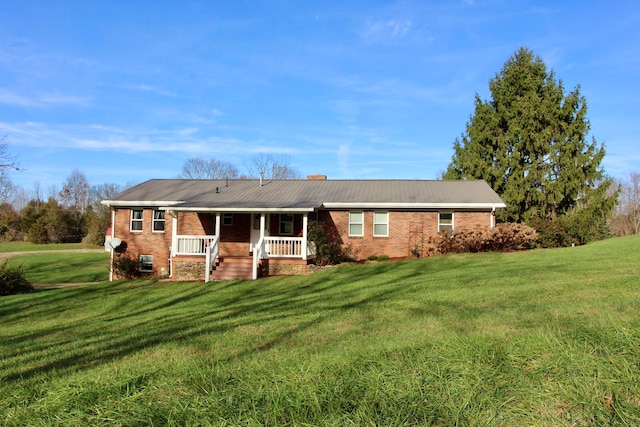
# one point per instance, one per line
(145, 242)
(196, 224)
(407, 231)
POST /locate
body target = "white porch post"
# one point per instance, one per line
(218, 218)
(262, 225)
(113, 234)
(305, 220)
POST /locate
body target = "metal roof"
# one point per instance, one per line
(307, 195)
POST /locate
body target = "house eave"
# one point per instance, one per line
(235, 209)
(410, 206)
(139, 203)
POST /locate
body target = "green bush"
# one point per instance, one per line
(12, 280)
(326, 242)
(577, 228)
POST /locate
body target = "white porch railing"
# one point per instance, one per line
(285, 247)
(213, 251)
(193, 245)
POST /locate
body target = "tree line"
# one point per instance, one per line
(74, 213)
(529, 142)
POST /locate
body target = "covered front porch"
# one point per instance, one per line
(235, 244)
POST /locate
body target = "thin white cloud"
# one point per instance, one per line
(146, 88)
(13, 99)
(386, 29)
(41, 101)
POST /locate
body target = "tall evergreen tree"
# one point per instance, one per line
(529, 142)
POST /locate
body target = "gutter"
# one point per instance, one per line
(386, 205)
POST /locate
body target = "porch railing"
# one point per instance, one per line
(259, 253)
(213, 252)
(285, 247)
(193, 245)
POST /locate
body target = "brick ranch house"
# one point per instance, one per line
(226, 229)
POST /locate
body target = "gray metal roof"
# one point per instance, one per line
(307, 195)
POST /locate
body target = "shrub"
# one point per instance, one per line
(577, 228)
(126, 267)
(327, 243)
(502, 238)
(512, 236)
(12, 280)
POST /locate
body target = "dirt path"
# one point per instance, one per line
(7, 255)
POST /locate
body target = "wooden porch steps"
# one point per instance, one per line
(232, 268)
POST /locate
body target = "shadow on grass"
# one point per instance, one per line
(79, 328)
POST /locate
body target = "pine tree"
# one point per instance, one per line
(529, 142)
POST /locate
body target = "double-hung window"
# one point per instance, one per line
(136, 220)
(356, 223)
(146, 264)
(445, 221)
(380, 224)
(158, 221)
(286, 224)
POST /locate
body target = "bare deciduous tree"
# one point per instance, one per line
(201, 168)
(6, 162)
(272, 166)
(75, 191)
(626, 218)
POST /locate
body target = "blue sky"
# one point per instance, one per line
(127, 91)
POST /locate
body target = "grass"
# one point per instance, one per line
(548, 337)
(30, 247)
(61, 267)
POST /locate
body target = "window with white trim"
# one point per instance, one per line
(286, 224)
(356, 223)
(136, 220)
(380, 224)
(158, 221)
(146, 264)
(445, 221)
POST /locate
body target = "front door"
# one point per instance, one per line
(255, 230)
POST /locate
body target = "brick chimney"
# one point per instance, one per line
(316, 177)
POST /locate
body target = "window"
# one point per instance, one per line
(158, 221)
(227, 219)
(146, 264)
(136, 220)
(256, 221)
(445, 221)
(356, 224)
(286, 224)
(381, 224)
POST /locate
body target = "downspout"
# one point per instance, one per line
(305, 223)
(174, 240)
(492, 220)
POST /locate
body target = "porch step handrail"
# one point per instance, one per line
(193, 245)
(213, 252)
(259, 253)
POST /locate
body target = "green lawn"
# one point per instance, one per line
(62, 267)
(26, 246)
(547, 337)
